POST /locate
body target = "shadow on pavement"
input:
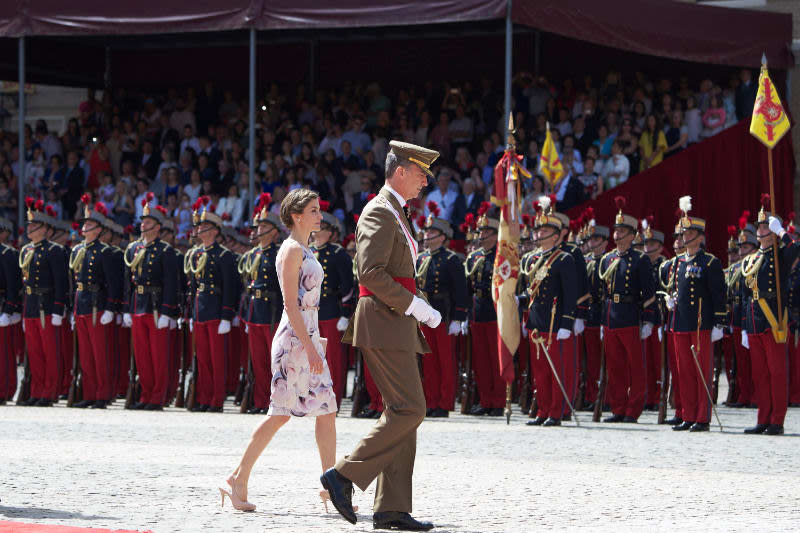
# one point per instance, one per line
(38, 513)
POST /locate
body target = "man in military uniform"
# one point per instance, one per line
(698, 306)
(629, 316)
(44, 274)
(10, 312)
(152, 303)
(97, 291)
(213, 269)
(667, 280)
(653, 248)
(485, 360)
(597, 244)
(552, 302)
(120, 358)
(763, 333)
(337, 296)
(748, 244)
(167, 235)
(265, 301)
(440, 275)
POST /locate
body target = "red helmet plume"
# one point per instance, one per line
(732, 231)
(212, 208)
(150, 196)
(742, 222)
(484, 208)
(39, 205)
(226, 216)
(205, 199)
(421, 221)
(50, 211)
(526, 220)
(589, 213)
(355, 218)
(765, 200)
(85, 198)
(162, 209)
(324, 205)
(469, 219)
(76, 226)
(128, 229)
(29, 201)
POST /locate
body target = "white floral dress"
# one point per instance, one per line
(296, 391)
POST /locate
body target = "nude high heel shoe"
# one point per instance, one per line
(238, 504)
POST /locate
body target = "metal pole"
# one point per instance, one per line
(251, 158)
(21, 139)
(509, 40)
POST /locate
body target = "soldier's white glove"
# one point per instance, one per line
(420, 310)
(16, 318)
(647, 330)
(106, 318)
(23, 326)
(119, 319)
(56, 320)
(716, 333)
(341, 324)
(163, 322)
(670, 303)
(173, 324)
(246, 327)
(562, 334)
(127, 320)
(579, 326)
(660, 331)
(72, 321)
(601, 332)
(5, 320)
(465, 327)
(191, 325)
(524, 329)
(745, 340)
(434, 321)
(224, 327)
(454, 328)
(235, 322)
(776, 227)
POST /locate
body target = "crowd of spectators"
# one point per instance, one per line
(181, 144)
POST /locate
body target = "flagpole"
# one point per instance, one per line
(775, 241)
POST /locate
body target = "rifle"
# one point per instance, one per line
(179, 395)
(717, 369)
(75, 385)
(246, 400)
(25, 385)
(581, 399)
(239, 394)
(664, 396)
(601, 387)
(130, 394)
(468, 378)
(525, 385)
(359, 386)
(190, 393)
(733, 386)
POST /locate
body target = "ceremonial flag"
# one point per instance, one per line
(549, 162)
(506, 261)
(769, 123)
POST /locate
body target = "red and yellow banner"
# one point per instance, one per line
(769, 123)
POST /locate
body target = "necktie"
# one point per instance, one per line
(407, 213)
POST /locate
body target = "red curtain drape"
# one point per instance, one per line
(724, 175)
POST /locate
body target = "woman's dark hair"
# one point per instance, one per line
(294, 203)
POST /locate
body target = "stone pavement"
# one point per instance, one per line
(159, 471)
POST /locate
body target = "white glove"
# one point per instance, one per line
(454, 328)
(716, 333)
(127, 320)
(579, 326)
(163, 322)
(72, 321)
(173, 324)
(776, 227)
(246, 327)
(524, 329)
(435, 319)
(224, 327)
(601, 332)
(647, 330)
(191, 325)
(660, 334)
(670, 303)
(119, 319)
(235, 322)
(465, 327)
(342, 323)
(23, 326)
(56, 320)
(745, 340)
(420, 310)
(106, 318)
(5, 320)
(562, 334)
(16, 318)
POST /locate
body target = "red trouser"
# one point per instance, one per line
(18, 337)
(652, 347)
(674, 371)
(44, 357)
(260, 339)
(591, 338)
(696, 407)
(124, 347)
(335, 356)
(8, 364)
(524, 355)
(150, 348)
(173, 362)
(211, 350)
(439, 369)
(549, 397)
(233, 357)
(93, 352)
(744, 371)
(794, 368)
(375, 398)
(67, 352)
(486, 362)
(625, 361)
(770, 377)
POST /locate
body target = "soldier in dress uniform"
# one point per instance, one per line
(551, 302)
(698, 305)
(763, 333)
(653, 248)
(337, 297)
(44, 274)
(479, 271)
(96, 293)
(667, 281)
(151, 305)
(10, 312)
(213, 270)
(629, 316)
(120, 360)
(440, 275)
(168, 234)
(794, 321)
(597, 238)
(747, 245)
(264, 300)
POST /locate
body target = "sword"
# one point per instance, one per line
(540, 343)
(695, 350)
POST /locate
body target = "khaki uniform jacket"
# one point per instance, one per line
(382, 253)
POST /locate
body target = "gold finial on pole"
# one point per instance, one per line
(510, 141)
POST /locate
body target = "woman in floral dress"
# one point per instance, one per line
(301, 382)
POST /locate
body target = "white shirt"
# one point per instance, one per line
(396, 195)
(192, 143)
(446, 203)
(620, 166)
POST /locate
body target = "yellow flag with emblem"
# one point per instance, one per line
(549, 162)
(769, 123)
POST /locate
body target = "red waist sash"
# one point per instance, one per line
(408, 283)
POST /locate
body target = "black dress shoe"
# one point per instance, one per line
(497, 411)
(202, 408)
(214, 409)
(429, 411)
(139, 406)
(538, 421)
(758, 429)
(550, 422)
(683, 426)
(2, 401)
(399, 522)
(674, 421)
(794, 404)
(567, 417)
(629, 420)
(376, 414)
(478, 410)
(734, 405)
(44, 402)
(153, 407)
(614, 419)
(84, 404)
(440, 412)
(774, 429)
(99, 404)
(698, 427)
(254, 411)
(368, 413)
(31, 402)
(340, 490)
